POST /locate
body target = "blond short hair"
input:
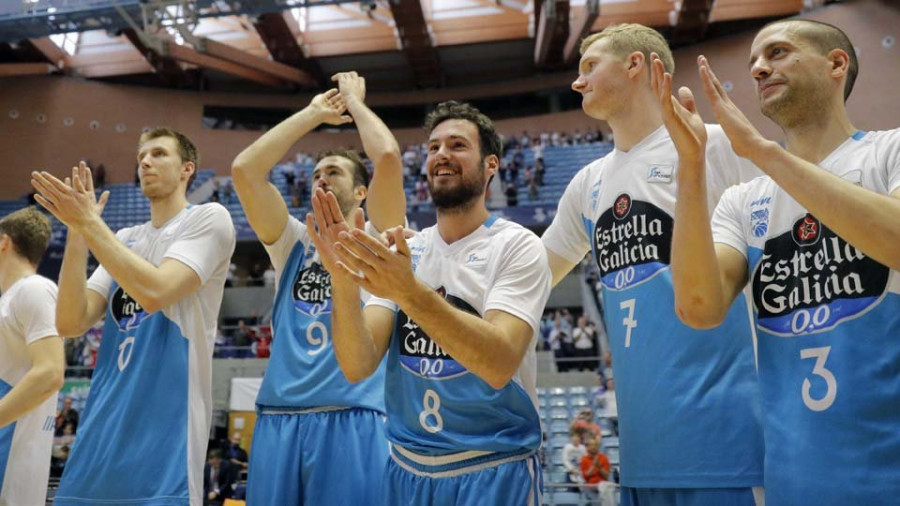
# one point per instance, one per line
(626, 38)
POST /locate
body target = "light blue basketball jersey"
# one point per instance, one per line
(688, 400)
(132, 441)
(144, 431)
(435, 405)
(828, 324)
(303, 371)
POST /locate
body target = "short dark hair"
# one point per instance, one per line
(186, 149)
(487, 134)
(825, 37)
(215, 453)
(30, 231)
(360, 174)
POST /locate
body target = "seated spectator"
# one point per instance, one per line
(219, 477)
(66, 416)
(573, 452)
(237, 455)
(262, 344)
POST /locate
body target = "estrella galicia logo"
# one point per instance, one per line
(809, 279)
(806, 230)
(422, 356)
(632, 242)
(312, 290)
(759, 222)
(622, 206)
(127, 312)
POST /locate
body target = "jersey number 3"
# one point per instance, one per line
(825, 402)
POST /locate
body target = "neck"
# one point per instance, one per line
(638, 119)
(820, 134)
(15, 270)
(454, 224)
(164, 209)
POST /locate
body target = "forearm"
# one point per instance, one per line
(32, 390)
(257, 160)
(377, 140)
(699, 299)
(386, 200)
(354, 347)
(480, 346)
(71, 314)
(840, 205)
(138, 277)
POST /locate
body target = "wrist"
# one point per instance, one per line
(762, 150)
(416, 294)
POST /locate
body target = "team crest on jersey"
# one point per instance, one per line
(632, 242)
(422, 356)
(126, 311)
(759, 222)
(311, 291)
(809, 280)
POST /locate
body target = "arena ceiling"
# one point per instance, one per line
(291, 45)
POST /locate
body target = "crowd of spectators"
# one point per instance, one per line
(573, 341)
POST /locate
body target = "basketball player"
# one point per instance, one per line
(143, 436)
(688, 400)
(456, 310)
(818, 240)
(32, 361)
(318, 439)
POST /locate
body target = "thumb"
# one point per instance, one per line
(400, 241)
(346, 119)
(103, 199)
(686, 97)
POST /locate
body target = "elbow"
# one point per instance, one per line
(698, 315)
(150, 302)
(355, 374)
(390, 157)
(498, 379)
(67, 328)
(51, 379)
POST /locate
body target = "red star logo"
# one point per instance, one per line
(808, 229)
(621, 206)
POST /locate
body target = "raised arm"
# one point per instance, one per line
(705, 282)
(81, 307)
(840, 205)
(266, 210)
(360, 338)
(386, 200)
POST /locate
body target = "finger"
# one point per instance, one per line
(346, 119)
(654, 73)
(335, 78)
(352, 260)
(43, 187)
(715, 80)
(104, 198)
(46, 204)
(686, 97)
(317, 209)
(311, 230)
(52, 181)
(409, 233)
(78, 184)
(333, 209)
(370, 242)
(402, 247)
(87, 179)
(358, 248)
(360, 280)
(359, 219)
(709, 89)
